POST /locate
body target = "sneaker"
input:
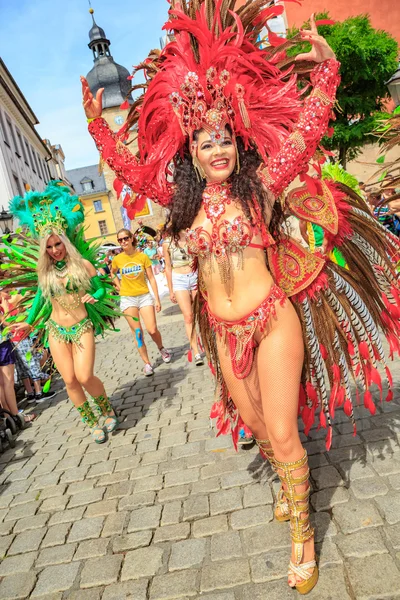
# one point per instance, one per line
(245, 438)
(198, 360)
(148, 370)
(43, 396)
(166, 355)
(31, 398)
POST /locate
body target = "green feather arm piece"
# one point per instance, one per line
(37, 305)
(98, 289)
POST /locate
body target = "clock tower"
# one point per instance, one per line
(111, 76)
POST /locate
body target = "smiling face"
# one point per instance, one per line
(217, 160)
(55, 248)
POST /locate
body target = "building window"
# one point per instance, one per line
(88, 186)
(5, 133)
(26, 153)
(32, 155)
(103, 227)
(11, 129)
(98, 207)
(17, 185)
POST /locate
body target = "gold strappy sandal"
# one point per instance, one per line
(300, 527)
(281, 511)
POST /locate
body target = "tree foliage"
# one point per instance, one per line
(368, 59)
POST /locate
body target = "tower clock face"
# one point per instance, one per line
(119, 120)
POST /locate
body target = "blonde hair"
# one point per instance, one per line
(48, 281)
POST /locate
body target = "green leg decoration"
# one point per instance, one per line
(89, 418)
(104, 408)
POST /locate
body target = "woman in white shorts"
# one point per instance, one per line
(133, 267)
(182, 285)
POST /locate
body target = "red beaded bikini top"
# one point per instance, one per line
(226, 237)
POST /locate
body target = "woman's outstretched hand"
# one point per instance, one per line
(320, 50)
(92, 106)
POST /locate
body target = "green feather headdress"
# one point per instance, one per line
(55, 209)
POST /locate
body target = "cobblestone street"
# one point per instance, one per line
(164, 510)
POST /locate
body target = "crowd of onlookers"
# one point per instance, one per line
(387, 213)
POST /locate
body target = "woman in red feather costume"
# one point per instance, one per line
(227, 118)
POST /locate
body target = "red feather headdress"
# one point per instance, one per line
(212, 74)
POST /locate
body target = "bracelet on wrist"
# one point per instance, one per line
(92, 119)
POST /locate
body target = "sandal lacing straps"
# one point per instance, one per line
(89, 418)
(104, 407)
(300, 527)
(281, 511)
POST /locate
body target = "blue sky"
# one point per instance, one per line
(44, 45)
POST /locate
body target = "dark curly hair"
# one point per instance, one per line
(246, 186)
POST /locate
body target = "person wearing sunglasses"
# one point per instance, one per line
(133, 267)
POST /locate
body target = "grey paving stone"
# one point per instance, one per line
(393, 533)
(325, 477)
(374, 577)
(114, 524)
(225, 546)
(86, 529)
(205, 486)
(130, 590)
(50, 556)
(101, 571)
(356, 515)
(137, 500)
(21, 511)
(264, 538)
(182, 584)
(118, 490)
(180, 531)
(188, 449)
(154, 483)
(89, 594)
(225, 575)
(196, 507)
(182, 477)
(250, 517)
(257, 495)
(17, 500)
(171, 513)
(67, 516)
(362, 543)
(17, 587)
(5, 543)
(54, 504)
(28, 541)
(145, 562)
(102, 508)
(326, 499)
(390, 507)
(177, 492)
(328, 553)
(17, 564)
(369, 488)
(144, 518)
(210, 526)
(56, 579)
(56, 535)
(35, 522)
(80, 486)
(86, 497)
(324, 525)
(131, 541)
(91, 549)
(270, 566)
(187, 554)
(225, 501)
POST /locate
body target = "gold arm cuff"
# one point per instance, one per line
(297, 139)
(325, 99)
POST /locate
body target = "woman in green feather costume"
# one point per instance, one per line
(63, 297)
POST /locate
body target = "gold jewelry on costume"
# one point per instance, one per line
(200, 174)
(68, 306)
(318, 93)
(281, 511)
(300, 526)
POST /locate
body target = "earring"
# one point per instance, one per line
(237, 160)
(200, 174)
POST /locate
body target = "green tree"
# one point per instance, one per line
(368, 59)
